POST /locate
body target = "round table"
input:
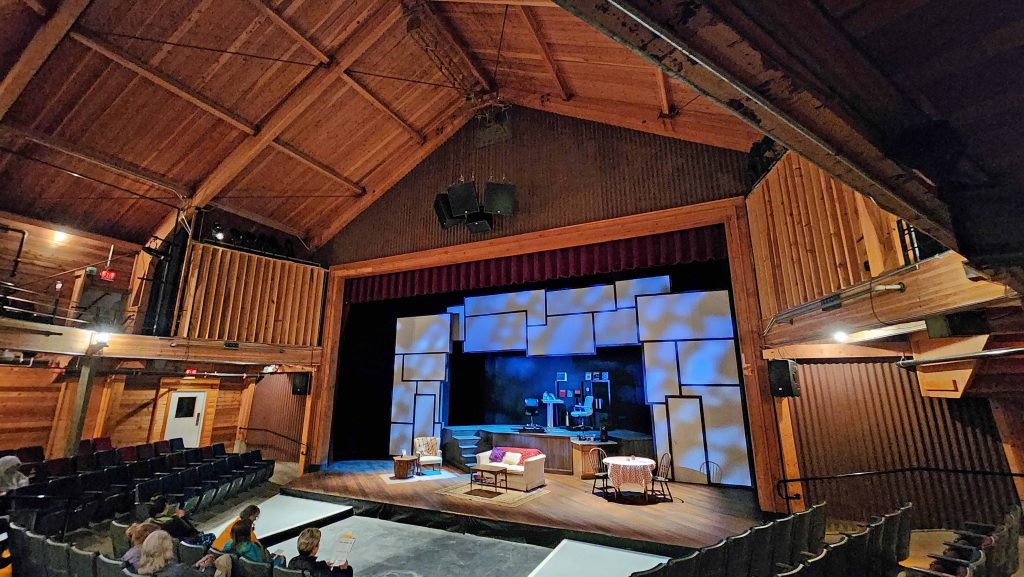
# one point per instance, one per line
(636, 470)
(405, 466)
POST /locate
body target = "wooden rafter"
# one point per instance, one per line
(38, 50)
(284, 25)
(441, 32)
(379, 105)
(37, 7)
(113, 164)
(162, 80)
(258, 219)
(545, 52)
(534, 3)
(318, 166)
(664, 97)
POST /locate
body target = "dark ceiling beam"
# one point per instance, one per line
(747, 71)
(258, 218)
(545, 52)
(37, 7)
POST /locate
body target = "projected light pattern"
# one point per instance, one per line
(685, 316)
(422, 345)
(581, 300)
(564, 335)
(626, 291)
(426, 334)
(496, 332)
(530, 302)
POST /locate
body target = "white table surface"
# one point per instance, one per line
(283, 512)
(587, 559)
(630, 462)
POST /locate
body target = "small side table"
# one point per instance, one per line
(405, 466)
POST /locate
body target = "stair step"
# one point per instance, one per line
(464, 447)
(466, 437)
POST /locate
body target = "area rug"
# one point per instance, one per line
(485, 495)
(426, 476)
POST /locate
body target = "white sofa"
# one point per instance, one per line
(525, 477)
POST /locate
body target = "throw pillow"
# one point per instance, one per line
(497, 454)
(512, 458)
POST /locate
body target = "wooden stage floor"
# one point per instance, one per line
(699, 515)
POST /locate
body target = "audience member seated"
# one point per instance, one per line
(137, 534)
(242, 545)
(172, 520)
(249, 513)
(524, 467)
(10, 475)
(157, 558)
(308, 546)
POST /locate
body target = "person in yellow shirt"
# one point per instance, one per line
(250, 513)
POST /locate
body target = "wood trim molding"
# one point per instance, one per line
(839, 351)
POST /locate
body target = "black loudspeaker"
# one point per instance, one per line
(783, 378)
(443, 209)
(462, 197)
(300, 383)
(500, 198)
(480, 222)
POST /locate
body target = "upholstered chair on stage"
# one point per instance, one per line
(583, 411)
(429, 450)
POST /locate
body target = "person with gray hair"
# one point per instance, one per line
(157, 558)
(308, 546)
(11, 476)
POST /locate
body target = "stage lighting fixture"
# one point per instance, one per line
(500, 198)
(840, 337)
(218, 232)
(101, 339)
(462, 197)
(443, 210)
(479, 222)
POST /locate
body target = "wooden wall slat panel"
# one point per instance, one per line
(275, 408)
(237, 296)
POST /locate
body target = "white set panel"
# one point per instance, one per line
(501, 332)
(725, 432)
(423, 425)
(616, 328)
(708, 363)
(659, 428)
(687, 439)
(425, 334)
(396, 377)
(401, 438)
(660, 374)
(458, 322)
(403, 395)
(685, 316)
(532, 302)
(564, 335)
(581, 300)
(431, 388)
(626, 290)
(432, 367)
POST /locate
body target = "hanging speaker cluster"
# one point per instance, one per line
(459, 204)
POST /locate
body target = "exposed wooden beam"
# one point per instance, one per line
(258, 218)
(533, 3)
(162, 80)
(837, 351)
(664, 97)
(80, 405)
(37, 7)
(318, 166)
(290, 30)
(436, 27)
(379, 105)
(946, 380)
(82, 152)
(17, 219)
(38, 50)
(545, 52)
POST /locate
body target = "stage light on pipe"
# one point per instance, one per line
(840, 337)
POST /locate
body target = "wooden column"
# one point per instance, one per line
(81, 404)
(316, 424)
(1007, 413)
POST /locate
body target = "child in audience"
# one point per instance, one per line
(11, 476)
(249, 513)
(309, 546)
(241, 544)
(157, 558)
(137, 534)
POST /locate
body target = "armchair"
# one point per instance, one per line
(429, 450)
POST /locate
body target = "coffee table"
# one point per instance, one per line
(405, 466)
(499, 476)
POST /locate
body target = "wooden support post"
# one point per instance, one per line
(316, 424)
(667, 110)
(1007, 413)
(81, 404)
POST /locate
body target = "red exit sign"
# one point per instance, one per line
(108, 274)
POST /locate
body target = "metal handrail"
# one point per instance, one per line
(285, 437)
(780, 486)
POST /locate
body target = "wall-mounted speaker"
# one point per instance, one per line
(480, 222)
(499, 198)
(300, 383)
(783, 378)
(462, 197)
(443, 210)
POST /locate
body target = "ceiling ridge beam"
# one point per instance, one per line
(318, 166)
(545, 51)
(162, 80)
(379, 105)
(95, 157)
(290, 30)
(43, 43)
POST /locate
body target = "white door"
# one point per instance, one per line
(185, 417)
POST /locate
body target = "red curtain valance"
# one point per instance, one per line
(671, 248)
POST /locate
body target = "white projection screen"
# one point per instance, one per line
(687, 426)
(402, 397)
(685, 316)
(627, 290)
(531, 302)
(564, 335)
(660, 373)
(581, 300)
(492, 333)
(616, 328)
(423, 424)
(708, 363)
(725, 433)
(430, 367)
(401, 438)
(425, 334)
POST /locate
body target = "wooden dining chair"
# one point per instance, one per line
(661, 478)
(597, 457)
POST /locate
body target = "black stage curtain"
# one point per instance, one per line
(671, 248)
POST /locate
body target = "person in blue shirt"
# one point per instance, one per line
(241, 544)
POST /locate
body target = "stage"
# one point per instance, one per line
(699, 516)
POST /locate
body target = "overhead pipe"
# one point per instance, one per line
(909, 364)
(21, 246)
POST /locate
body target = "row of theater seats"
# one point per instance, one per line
(979, 550)
(796, 546)
(69, 494)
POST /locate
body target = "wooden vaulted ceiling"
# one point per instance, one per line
(296, 114)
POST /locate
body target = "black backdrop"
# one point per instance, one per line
(362, 406)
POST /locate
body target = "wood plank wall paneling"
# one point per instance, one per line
(134, 414)
(813, 235)
(871, 416)
(229, 409)
(28, 403)
(275, 408)
(237, 296)
(567, 171)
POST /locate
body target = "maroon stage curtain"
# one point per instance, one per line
(671, 248)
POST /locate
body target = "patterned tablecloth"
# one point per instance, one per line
(635, 470)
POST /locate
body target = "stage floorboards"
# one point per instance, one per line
(705, 515)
